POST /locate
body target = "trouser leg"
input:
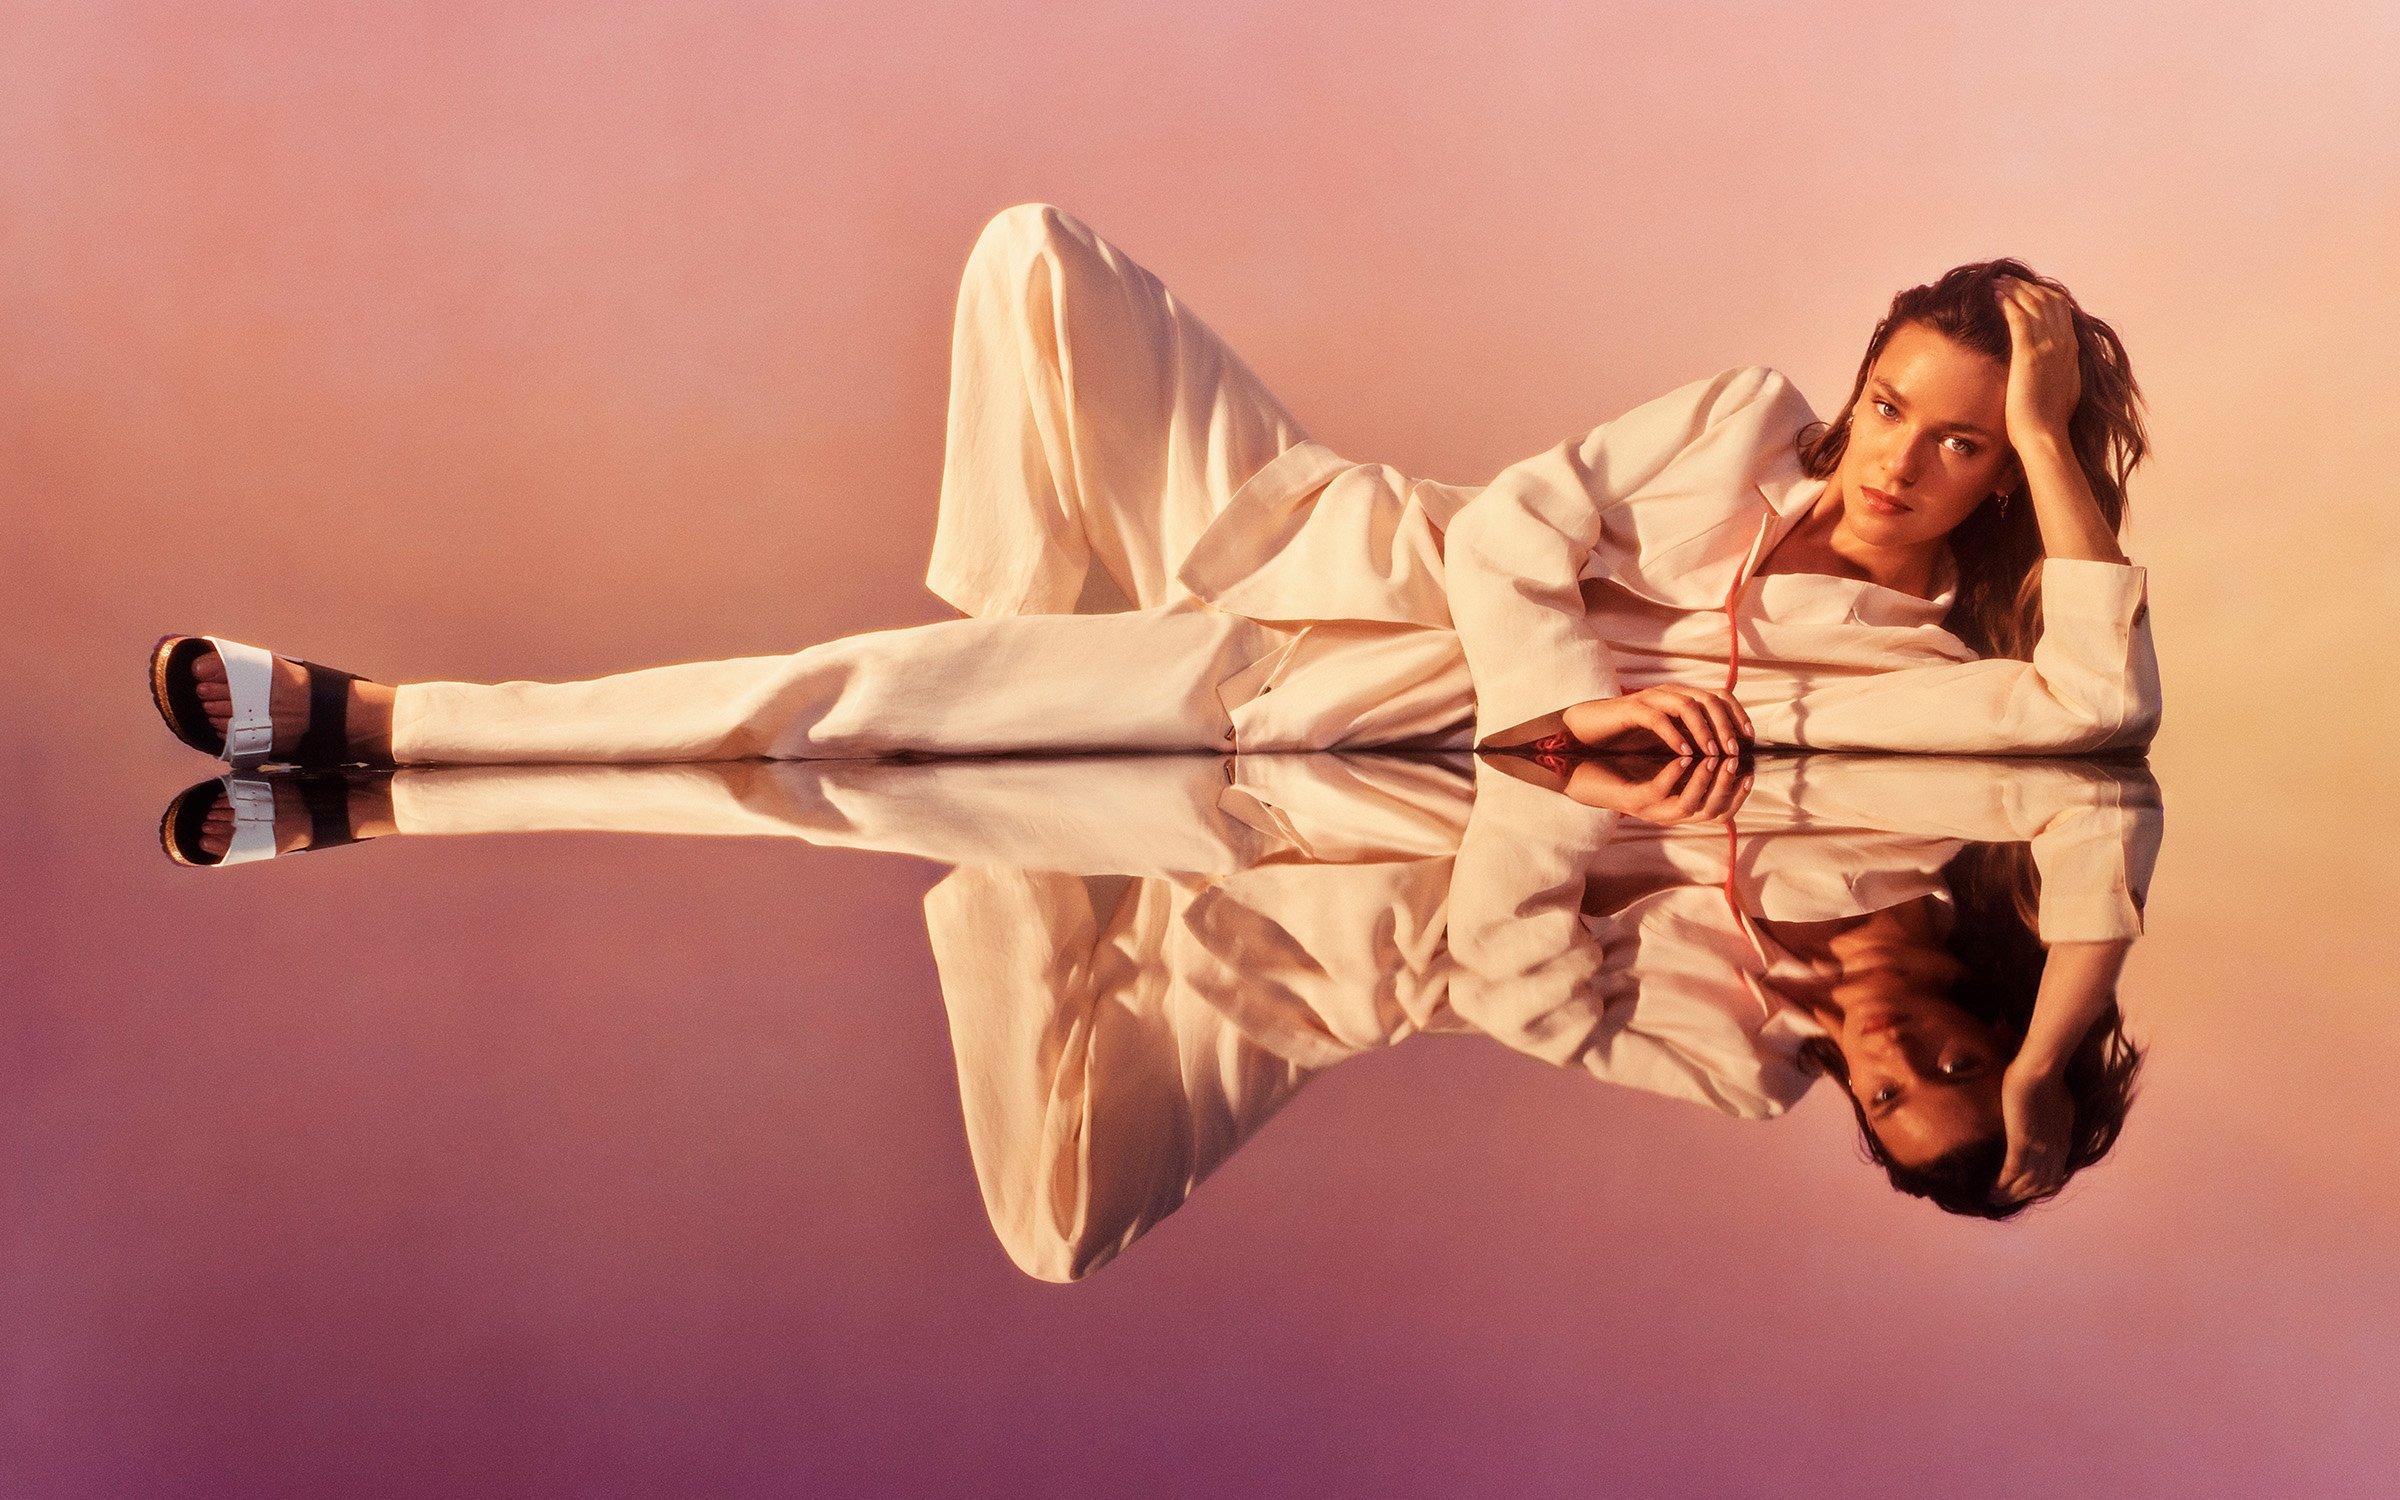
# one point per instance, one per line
(1093, 416)
(1144, 680)
(1101, 815)
(1097, 1087)
(1363, 683)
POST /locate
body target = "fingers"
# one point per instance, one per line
(1696, 723)
(1738, 781)
(1719, 723)
(2033, 305)
(1667, 726)
(1726, 783)
(1695, 716)
(1696, 790)
(1689, 721)
(1660, 788)
(2010, 1184)
(2031, 1169)
(1725, 721)
(1686, 791)
(1749, 730)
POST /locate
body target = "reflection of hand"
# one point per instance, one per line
(2038, 1114)
(1682, 791)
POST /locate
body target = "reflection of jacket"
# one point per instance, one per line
(1117, 1040)
(1143, 957)
(1673, 503)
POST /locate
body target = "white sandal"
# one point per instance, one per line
(250, 733)
(253, 798)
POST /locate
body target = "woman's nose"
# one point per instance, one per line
(1899, 466)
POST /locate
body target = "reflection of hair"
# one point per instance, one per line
(1997, 896)
(1998, 611)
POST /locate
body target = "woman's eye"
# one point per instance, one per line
(1884, 1095)
(1967, 447)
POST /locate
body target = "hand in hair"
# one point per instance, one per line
(2045, 378)
(2040, 1117)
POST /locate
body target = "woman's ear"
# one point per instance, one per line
(2011, 477)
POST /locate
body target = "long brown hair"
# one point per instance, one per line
(1998, 611)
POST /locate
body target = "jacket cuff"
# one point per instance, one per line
(2094, 865)
(2084, 589)
(1536, 813)
(1538, 682)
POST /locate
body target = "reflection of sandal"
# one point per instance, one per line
(181, 832)
(250, 733)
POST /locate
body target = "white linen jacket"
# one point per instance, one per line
(1674, 502)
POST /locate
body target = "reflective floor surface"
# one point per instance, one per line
(1374, 1125)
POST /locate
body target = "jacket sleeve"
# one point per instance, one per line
(2092, 684)
(2094, 826)
(1513, 556)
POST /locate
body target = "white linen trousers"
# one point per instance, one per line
(1093, 417)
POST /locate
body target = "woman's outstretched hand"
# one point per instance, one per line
(2044, 378)
(1687, 720)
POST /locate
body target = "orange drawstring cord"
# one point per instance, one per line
(1733, 633)
(1769, 1002)
(1733, 597)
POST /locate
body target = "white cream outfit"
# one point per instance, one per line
(1282, 597)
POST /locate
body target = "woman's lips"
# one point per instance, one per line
(1882, 504)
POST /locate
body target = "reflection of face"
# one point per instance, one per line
(1926, 1073)
(1909, 437)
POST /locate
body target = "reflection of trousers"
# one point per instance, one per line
(1093, 418)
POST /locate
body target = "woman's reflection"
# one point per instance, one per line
(1930, 1026)
(1985, 1068)
(1143, 958)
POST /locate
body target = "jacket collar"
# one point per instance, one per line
(1788, 491)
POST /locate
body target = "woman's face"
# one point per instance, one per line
(1926, 1073)
(1930, 432)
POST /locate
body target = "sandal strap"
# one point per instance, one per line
(250, 676)
(252, 799)
(326, 742)
(328, 799)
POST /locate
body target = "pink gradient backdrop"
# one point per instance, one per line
(509, 339)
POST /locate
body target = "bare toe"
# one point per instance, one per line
(213, 691)
(287, 697)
